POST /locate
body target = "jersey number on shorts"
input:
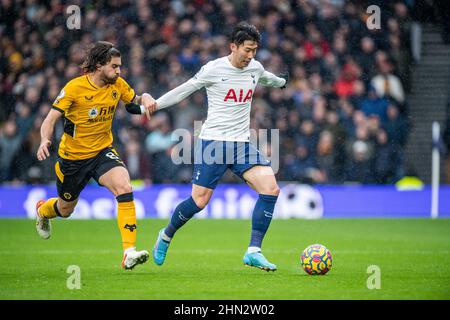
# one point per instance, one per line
(112, 156)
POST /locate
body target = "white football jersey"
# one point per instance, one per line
(230, 91)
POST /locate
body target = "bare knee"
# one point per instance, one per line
(276, 190)
(273, 190)
(122, 189)
(201, 199)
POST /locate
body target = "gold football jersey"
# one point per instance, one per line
(88, 111)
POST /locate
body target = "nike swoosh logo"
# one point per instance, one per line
(224, 79)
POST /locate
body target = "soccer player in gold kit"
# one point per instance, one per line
(87, 104)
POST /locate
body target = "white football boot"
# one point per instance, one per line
(131, 258)
(43, 225)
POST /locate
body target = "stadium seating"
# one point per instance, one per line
(341, 119)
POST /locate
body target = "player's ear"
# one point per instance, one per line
(233, 46)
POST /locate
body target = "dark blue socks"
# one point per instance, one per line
(182, 213)
(262, 216)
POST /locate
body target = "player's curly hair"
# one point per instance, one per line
(245, 31)
(99, 53)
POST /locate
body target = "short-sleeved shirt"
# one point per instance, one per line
(88, 111)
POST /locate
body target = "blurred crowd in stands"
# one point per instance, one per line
(343, 117)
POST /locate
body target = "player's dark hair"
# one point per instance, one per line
(245, 31)
(100, 53)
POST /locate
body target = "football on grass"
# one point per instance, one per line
(316, 260)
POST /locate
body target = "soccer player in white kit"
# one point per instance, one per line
(230, 83)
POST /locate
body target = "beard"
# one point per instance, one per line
(109, 80)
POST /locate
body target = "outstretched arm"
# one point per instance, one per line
(176, 95)
(204, 77)
(172, 97)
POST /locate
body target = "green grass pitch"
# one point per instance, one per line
(205, 260)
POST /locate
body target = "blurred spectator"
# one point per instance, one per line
(10, 141)
(137, 161)
(308, 135)
(386, 83)
(366, 57)
(396, 127)
(188, 111)
(385, 164)
(24, 119)
(359, 167)
(375, 105)
(160, 137)
(159, 145)
(346, 82)
(358, 94)
(301, 165)
(339, 136)
(326, 157)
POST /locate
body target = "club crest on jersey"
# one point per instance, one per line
(232, 95)
(114, 94)
(93, 112)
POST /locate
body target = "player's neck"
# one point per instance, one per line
(94, 77)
